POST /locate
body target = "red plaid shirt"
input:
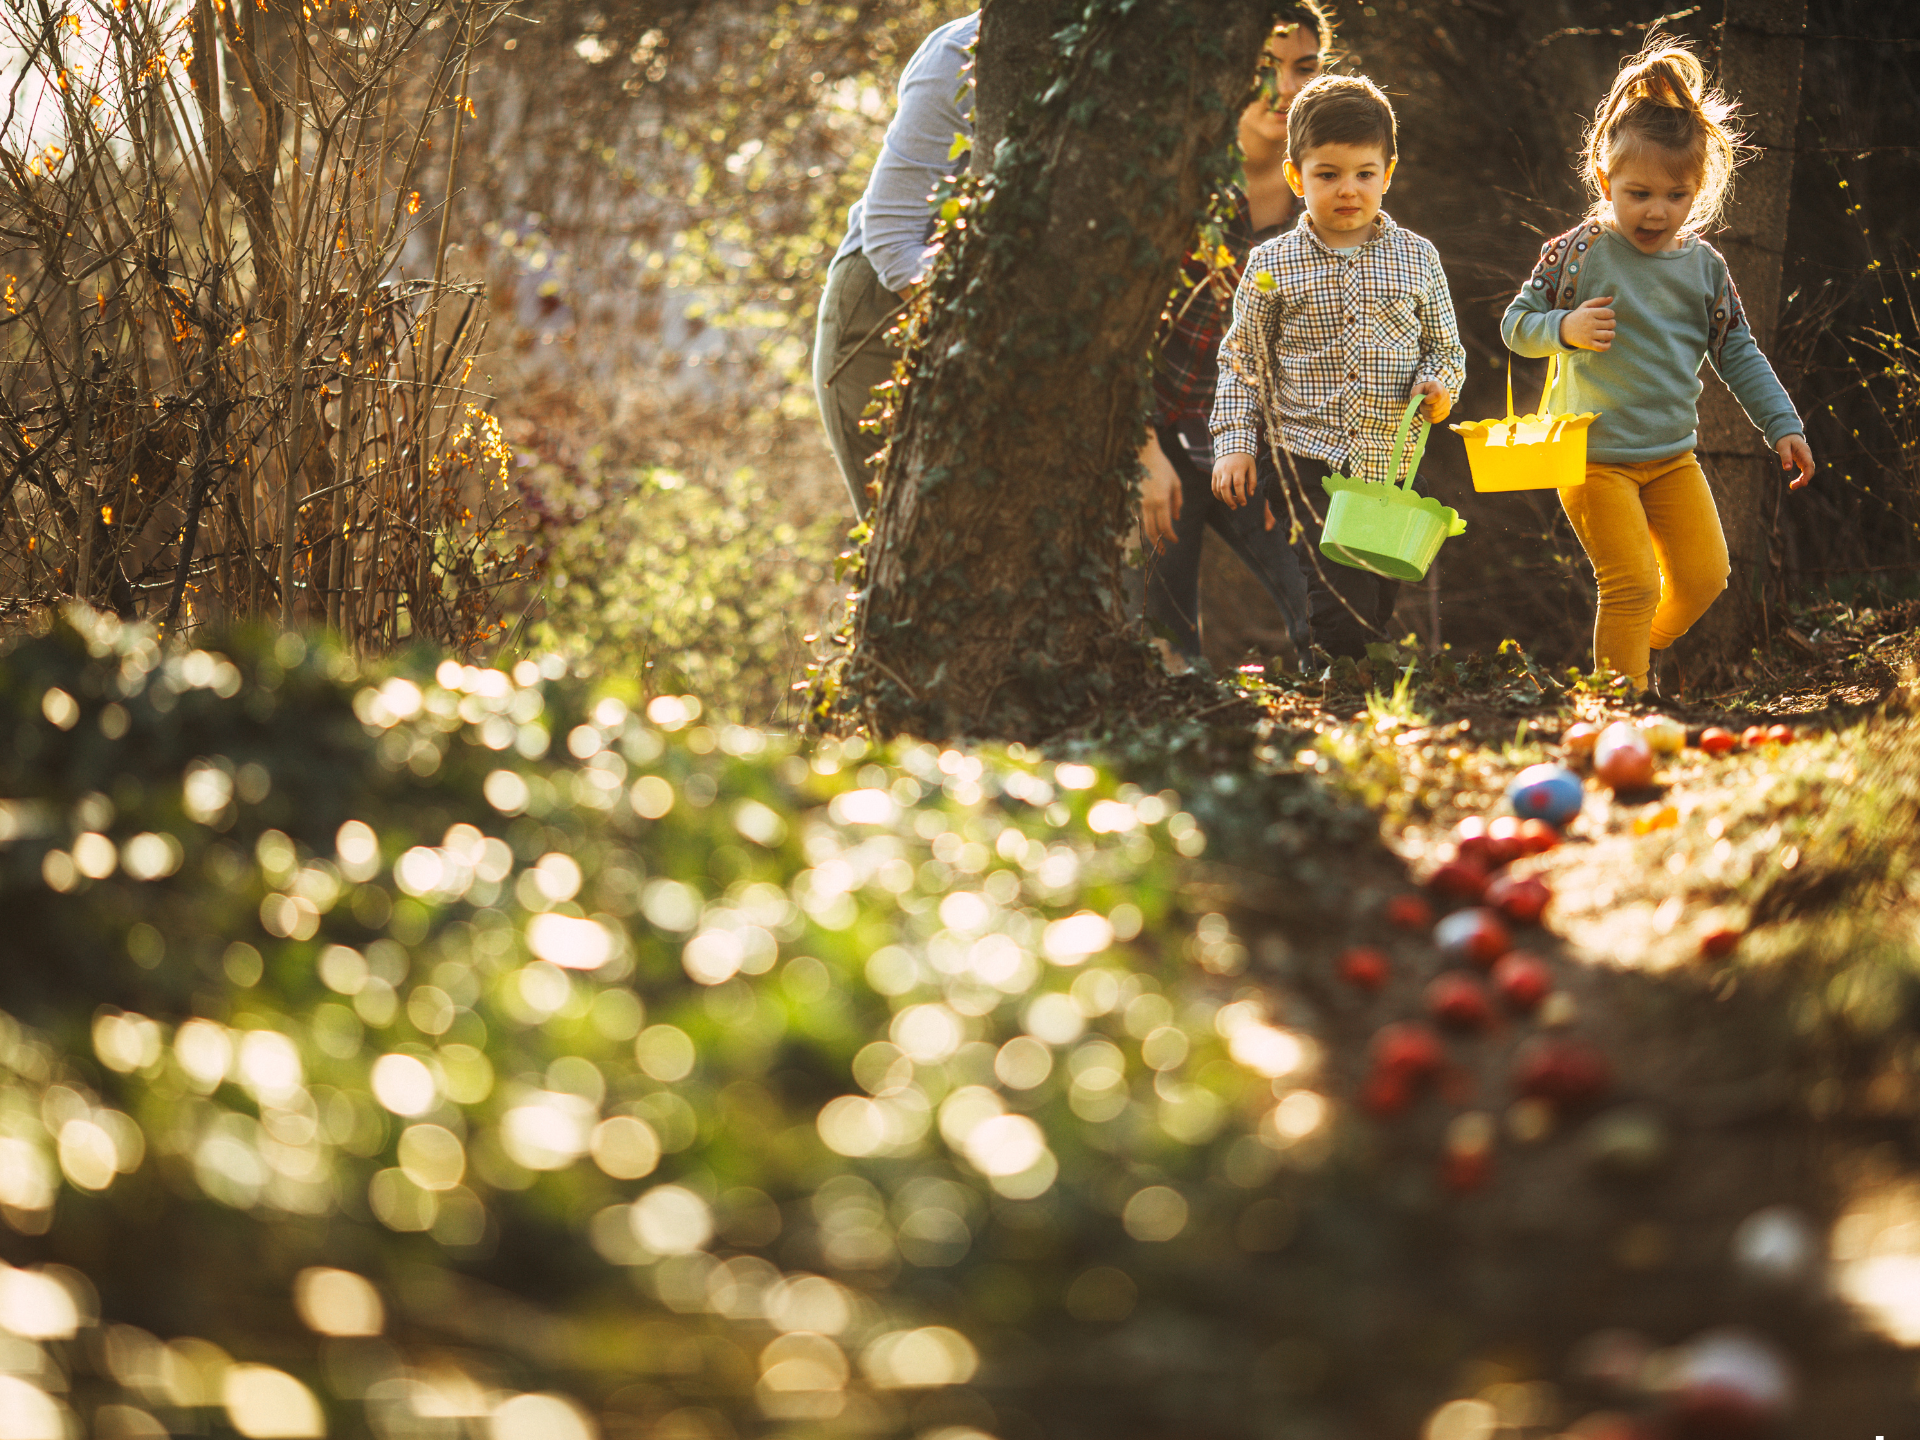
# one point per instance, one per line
(1186, 355)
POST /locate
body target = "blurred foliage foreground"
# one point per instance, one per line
(464, 1054)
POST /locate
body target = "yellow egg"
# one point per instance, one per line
(1665, 735)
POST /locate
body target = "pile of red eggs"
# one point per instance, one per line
(1716, 741)
(1487, 979)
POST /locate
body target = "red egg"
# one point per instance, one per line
(1578, 740)
(1605, 1425)
(1622, 757)
(1470, 842)
(1523, 980)
(1463, 1171)
(1506, 839)
(1719, 942)
(1363, 966)
(1780, 734)
(1521, 898)
(1459, 1000)
(1386, 1093)
(1719, 1412)
(1715, 741)
(1409, 912)
(1459, 879)
(1729, 1385)
(1538, 836)
(1753, 737)
(1561, 1069)
(1408, 1050)
(1472, 935)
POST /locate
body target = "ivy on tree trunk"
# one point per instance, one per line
(992, 602)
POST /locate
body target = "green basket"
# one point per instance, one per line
(1382, 526)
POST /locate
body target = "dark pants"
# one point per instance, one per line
(1173, 573)
(1349, 608)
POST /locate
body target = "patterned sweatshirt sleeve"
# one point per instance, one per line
(1442, 356)
(1737, 360)
(1531, 326)
(1244, 354)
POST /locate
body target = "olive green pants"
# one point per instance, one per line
(851, 355)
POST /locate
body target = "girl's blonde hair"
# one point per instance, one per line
(1660, 101)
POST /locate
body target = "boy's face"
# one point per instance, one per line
(1650, 203)
(1342, 185)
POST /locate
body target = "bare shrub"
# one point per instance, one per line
(234, 375)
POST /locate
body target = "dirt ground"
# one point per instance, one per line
(1715, 1216)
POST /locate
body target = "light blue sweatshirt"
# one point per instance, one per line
(1673, 309)
(893, 221)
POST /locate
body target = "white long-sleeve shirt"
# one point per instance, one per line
(893, 221)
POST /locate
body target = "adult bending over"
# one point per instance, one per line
(888, 246)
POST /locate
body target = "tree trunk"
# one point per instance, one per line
(1018, 35)
(1760, 57)
(992, 602)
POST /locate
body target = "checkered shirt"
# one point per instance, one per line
(1345, 334)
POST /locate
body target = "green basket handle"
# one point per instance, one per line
(1553, 376)
(1400, 442)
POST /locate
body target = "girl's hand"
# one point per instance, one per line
(1794, 455)
(1439, 403)
(1234, 479)
(1159, 495)
(1590, 327)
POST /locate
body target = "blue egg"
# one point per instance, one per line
(1546, 792)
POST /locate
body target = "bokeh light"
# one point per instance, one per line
(268, 1404)
(338, 1302)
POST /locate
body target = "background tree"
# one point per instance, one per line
(993, 580)
(1759, 61)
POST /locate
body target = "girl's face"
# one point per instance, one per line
(1651, 201)
(1292, 59)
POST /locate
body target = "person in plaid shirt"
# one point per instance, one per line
(1336, 325)
(1177, 504)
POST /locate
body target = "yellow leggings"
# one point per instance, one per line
(1658, 553)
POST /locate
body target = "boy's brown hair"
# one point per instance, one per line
(1340, 110)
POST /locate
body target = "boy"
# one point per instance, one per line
(1337, 324)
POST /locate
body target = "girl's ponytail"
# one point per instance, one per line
(1660, 99)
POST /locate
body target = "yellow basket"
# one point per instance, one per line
(1528, 452)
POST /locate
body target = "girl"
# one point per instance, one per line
(1634, 299)
(1177, 505)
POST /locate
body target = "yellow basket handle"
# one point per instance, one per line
(1553, 375)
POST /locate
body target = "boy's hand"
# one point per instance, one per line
(1591, 326)
(1795, 455)
(1439, 403)
(1234, 479)
(1159, 496)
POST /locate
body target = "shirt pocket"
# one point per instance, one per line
(1396, 325)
